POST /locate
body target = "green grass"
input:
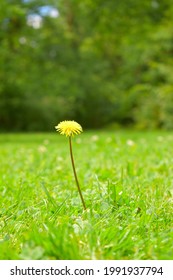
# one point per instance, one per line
(126, 180)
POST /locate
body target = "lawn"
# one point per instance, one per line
(126, 179)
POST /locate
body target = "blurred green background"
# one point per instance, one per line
(101, 63)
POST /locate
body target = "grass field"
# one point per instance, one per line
(127, 183)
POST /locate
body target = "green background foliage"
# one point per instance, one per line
(99, 62)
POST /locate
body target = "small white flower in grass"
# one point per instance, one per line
(42, 149)
(130, 142)
(94, 138)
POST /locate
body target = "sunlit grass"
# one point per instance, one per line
(126, 179)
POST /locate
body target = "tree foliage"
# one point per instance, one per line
(99, 62)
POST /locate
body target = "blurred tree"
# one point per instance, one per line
(99, 62)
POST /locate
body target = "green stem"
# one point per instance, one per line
(75, 175)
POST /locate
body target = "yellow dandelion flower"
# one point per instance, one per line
(69, 128)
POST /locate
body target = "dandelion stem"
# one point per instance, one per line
(75, 174)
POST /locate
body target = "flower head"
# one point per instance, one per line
(69, 128)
